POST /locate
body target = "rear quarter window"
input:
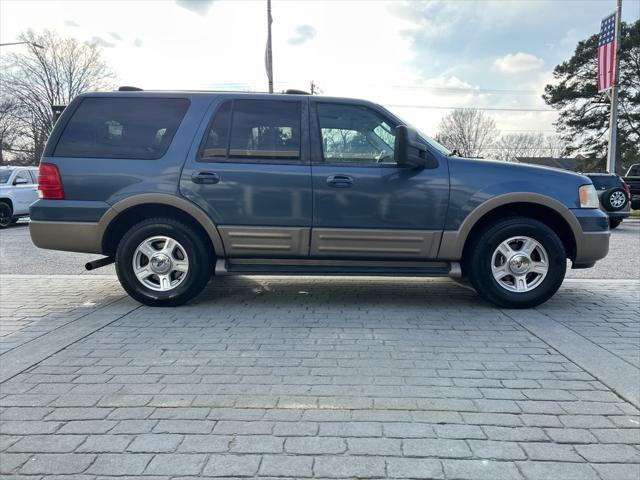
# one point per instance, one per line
(604, 182)
(127, 128)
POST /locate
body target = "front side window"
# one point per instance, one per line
(355, 134)
(23, 175)
(132, 128)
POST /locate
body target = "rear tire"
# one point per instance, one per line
(6, 215)
(162, 262)
(614, 222)
(521, 245)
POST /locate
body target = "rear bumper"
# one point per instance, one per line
(68, 236)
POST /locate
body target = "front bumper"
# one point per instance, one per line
(592, 243)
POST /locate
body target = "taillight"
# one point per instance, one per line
(49, 182)
(627, 189)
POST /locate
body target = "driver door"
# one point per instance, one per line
(364, 204)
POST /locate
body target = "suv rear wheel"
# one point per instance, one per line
(517, 263)
(163, 262)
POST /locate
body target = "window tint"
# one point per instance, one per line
(134, 128)
(265, 129)
(5, 175)
(604, 182)
(355, 134)
(23, 174)
(218, 136)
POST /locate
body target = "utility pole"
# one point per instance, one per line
(269, 54)
(613, 119)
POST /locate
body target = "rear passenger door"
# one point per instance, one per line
(251, 172)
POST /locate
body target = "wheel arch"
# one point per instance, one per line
(125, 213)
(539, 207)
(7, 200)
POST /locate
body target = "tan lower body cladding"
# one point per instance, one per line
(328, 243)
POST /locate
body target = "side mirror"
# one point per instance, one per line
(20, 181)
(409, 150)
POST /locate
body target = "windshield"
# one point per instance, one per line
(4, 175)
(428, 140)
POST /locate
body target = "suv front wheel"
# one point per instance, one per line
(163, 262)
(516, 263)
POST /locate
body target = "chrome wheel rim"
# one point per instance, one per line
(617, 199)
(160, 263)
(519, 264)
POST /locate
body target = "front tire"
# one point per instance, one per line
(615, 222)
(163, 262)
(518, 262)
(6, 215)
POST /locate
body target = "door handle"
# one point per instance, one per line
(339, 181)
(206, 178)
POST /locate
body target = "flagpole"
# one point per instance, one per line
(269, 51)
(613, 118)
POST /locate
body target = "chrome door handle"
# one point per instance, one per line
(339, 181)
(205, 178)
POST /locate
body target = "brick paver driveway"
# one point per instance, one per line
(323, 378)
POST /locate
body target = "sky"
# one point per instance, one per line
(420, 59)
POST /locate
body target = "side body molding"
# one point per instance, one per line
(452, 244)
(163, 199)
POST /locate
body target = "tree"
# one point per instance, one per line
(519, 145)
(40, 78)
(584, 113)
(467, 130)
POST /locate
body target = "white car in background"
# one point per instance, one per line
(18, 190)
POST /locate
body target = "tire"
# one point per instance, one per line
(186, 267)
(614, 199)
(534, 287)
(615, 222)
(6, 215)
(635, 204)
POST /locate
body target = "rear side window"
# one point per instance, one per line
(604, 182)
(255, 130)
(132, 128)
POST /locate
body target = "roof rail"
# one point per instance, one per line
(293, 91)
(127, 88)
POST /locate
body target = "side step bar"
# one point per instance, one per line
(269, 267)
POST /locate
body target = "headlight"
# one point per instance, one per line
(588, 196)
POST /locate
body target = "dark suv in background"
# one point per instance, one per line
(614, 195)
(174, 186)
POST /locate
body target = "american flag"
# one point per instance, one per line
(607, 53)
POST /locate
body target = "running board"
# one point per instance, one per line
(336, 267)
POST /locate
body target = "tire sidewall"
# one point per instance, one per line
(198, 257)
(488, 286)
(9, 214)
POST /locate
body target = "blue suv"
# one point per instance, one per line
(178, 186)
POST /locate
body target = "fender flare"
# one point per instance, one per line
(187, 207)
(453, 241)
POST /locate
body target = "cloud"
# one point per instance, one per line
(201, 7)
(71, 23)
(115, 35)
(137, 42)
(518, 62)
(101, 42)
(303, 34)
